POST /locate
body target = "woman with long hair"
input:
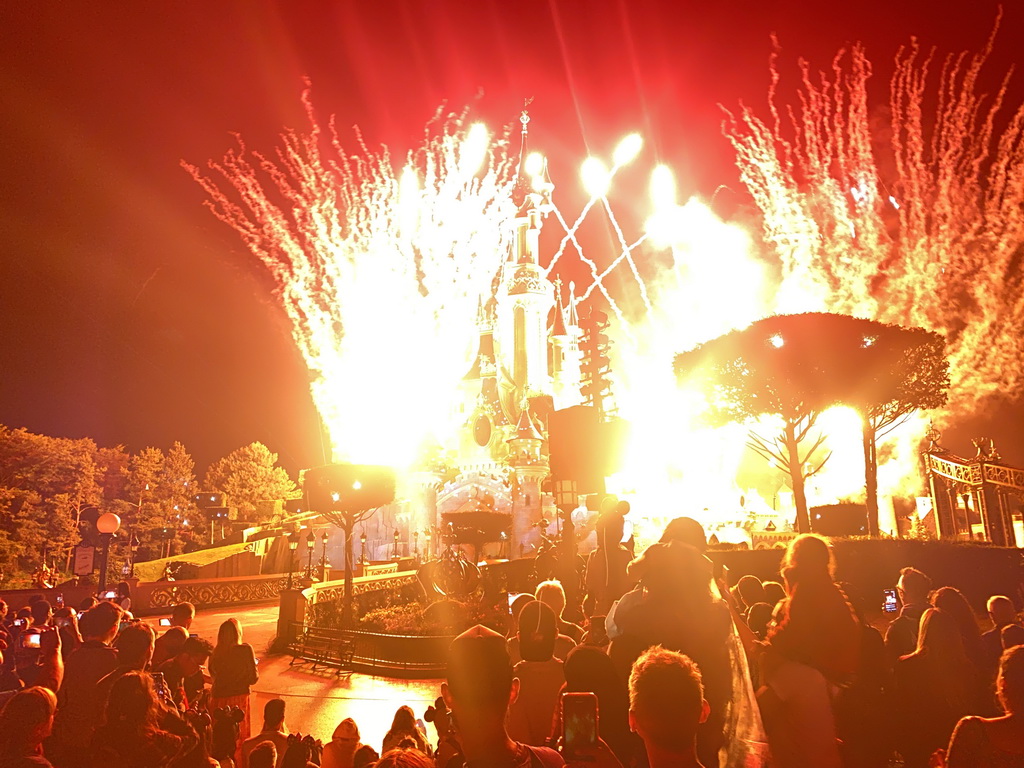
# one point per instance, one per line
(935, 686)
(813, 646)
(951, 600)
(996, 742)
(131, 735)
(25, 721)
(817, 626)
(402, 727)
(124, 596)
(233, 669)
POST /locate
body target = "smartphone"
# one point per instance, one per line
(579, 725)
(165, 622)
(64, 622)
(20, 623)
(890, 604)
(60, 601)
(30, 640)
(160, 685)
(110, 595)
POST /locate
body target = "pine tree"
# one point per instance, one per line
(249, 475)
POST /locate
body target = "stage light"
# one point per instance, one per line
(627, 149)
(534, 165)
(663, 188)
(596, 179)
(474, 149)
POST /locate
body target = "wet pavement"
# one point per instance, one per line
(317, 700)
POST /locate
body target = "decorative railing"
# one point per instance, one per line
(149, 597)
(155, 596)
(984, 484)
(324, 600)
(954, 468)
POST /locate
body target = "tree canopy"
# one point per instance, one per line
(52, 489)
(796, 366)
(249, 475)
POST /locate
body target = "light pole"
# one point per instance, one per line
(293, 544)
(310, 544)
(107, 525)
(323, 557)
(133, 548)
(362, 548)
(396, 543)
(416, 545)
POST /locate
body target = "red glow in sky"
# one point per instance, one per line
(128, 314)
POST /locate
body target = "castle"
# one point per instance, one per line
(528, 363)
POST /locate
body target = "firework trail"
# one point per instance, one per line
(380, 271)
(936, 242)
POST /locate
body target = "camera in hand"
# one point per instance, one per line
(30, 640)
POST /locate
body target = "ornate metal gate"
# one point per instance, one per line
(990, 487)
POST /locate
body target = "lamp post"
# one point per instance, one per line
(310, 544)
(396, 544)
(323, 557)
(133, 551)
(416, 545)
(107, 525)
(293, 544)
(362, 550)
(429, 543)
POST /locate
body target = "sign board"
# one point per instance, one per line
(84, 557)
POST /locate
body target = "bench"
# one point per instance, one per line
(323, 647)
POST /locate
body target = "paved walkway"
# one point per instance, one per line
(317, 700)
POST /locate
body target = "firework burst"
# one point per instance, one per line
(926, 231)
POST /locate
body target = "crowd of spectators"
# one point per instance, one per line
(650, 669)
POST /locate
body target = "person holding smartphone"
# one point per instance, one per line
(48, 668)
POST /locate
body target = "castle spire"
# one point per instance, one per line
(522, 187)
(573, 318)
(558, 327)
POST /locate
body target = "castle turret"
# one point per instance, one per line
(565, 351)
(526, 297)
(530, 467)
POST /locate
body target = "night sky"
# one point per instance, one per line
(130, 315)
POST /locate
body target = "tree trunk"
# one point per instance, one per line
(871, 477)
(796, 475)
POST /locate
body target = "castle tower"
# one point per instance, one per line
(565, 351)
(526, 297)
(530, 467)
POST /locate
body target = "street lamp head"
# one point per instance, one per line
(324, 538)
(293, 542)
(311, 539)
(108, 522)
(362, 538)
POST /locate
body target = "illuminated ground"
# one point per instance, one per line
(318, 700)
